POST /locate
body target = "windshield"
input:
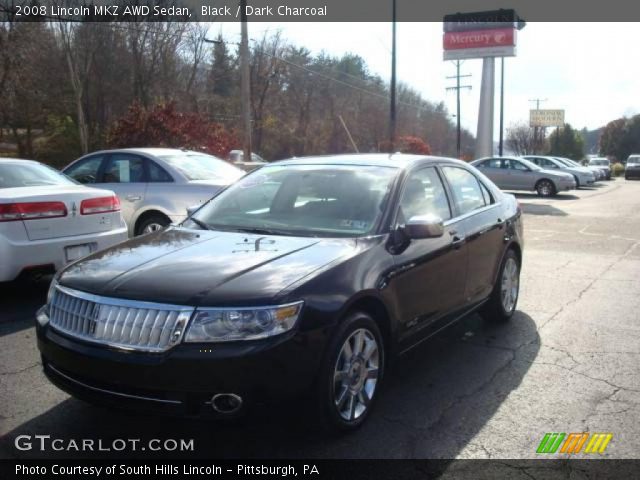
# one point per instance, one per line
(306, 200)
(633, 161)
(529, 164)
(567, 162)
(599, 161)
(198, 166)
(27, 174)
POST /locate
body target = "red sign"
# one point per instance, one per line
(495, 37)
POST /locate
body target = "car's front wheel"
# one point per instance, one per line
(351, 377)
(545, 188)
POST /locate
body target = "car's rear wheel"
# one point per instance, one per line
(152, 223)
(350, 379)
(504, 297)
(545, 188)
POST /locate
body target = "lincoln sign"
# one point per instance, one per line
(480, 34)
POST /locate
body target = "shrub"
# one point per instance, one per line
(617, 169)
(163, 126)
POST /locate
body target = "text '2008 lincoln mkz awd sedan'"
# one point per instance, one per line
(306, 276)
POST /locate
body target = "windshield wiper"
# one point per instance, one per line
(259, 231)
(200, 223)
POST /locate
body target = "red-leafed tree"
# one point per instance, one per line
(411, 144)
(163, 126)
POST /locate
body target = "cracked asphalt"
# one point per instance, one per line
(569, 361)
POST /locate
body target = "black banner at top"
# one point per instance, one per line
(316, 10)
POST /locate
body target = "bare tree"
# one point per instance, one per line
(522, 140)
(79, 62)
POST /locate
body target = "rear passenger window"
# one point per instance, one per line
(157, 173)
(124, 168)
(467, 194)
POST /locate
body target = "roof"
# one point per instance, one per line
(395, 160)
(15, 160)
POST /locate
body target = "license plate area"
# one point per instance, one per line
(75, 252)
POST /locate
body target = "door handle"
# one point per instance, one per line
(456, 240)
(133, 198)
(500, 223)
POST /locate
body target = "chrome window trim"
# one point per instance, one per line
(471, 213)
(111, 392)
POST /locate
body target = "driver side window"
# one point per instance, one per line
(85, 171)
(424, 194)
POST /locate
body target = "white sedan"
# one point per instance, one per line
(47, 220)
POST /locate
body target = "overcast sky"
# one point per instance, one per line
(589, 69)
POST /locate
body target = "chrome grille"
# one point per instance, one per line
(126, 324)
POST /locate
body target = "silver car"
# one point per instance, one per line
(583, 176)
(155, 185)
(513, 173)
(598, 172)
(603, 163)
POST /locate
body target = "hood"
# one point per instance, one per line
(203, 268)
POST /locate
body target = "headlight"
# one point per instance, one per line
(229, 324)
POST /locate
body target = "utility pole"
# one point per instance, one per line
(457, 88)
(501, 144)
(537, 130)
(392, 106)
(245, 82)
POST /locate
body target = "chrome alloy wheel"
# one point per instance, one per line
(356, 374)
(510, 285)
(152, 227)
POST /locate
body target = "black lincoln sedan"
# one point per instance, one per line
(304, 277)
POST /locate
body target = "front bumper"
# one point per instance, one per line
(182, 380)
(18, 255)
(632, 173)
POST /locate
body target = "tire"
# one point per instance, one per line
(494, 309)
(545, 188)
(342, 402)
(152, 223)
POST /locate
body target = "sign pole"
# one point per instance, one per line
(501, 105)
(484, 141)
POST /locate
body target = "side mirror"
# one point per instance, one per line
(192, 209)
(424, 226)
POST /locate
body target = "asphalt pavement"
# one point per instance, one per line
(569, 361)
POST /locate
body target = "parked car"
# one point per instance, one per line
(512, 173)
(598, 172)
(237, 158)
(582, 175)
(632, 168)
(48, 220)
(306, 276)
(155, 185)
(603, 164)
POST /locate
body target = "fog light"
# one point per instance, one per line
(42, 316)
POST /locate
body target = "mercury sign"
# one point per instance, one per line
(480, 34)
(495, 42)
(546, 118)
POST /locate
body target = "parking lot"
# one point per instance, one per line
(569, 361)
